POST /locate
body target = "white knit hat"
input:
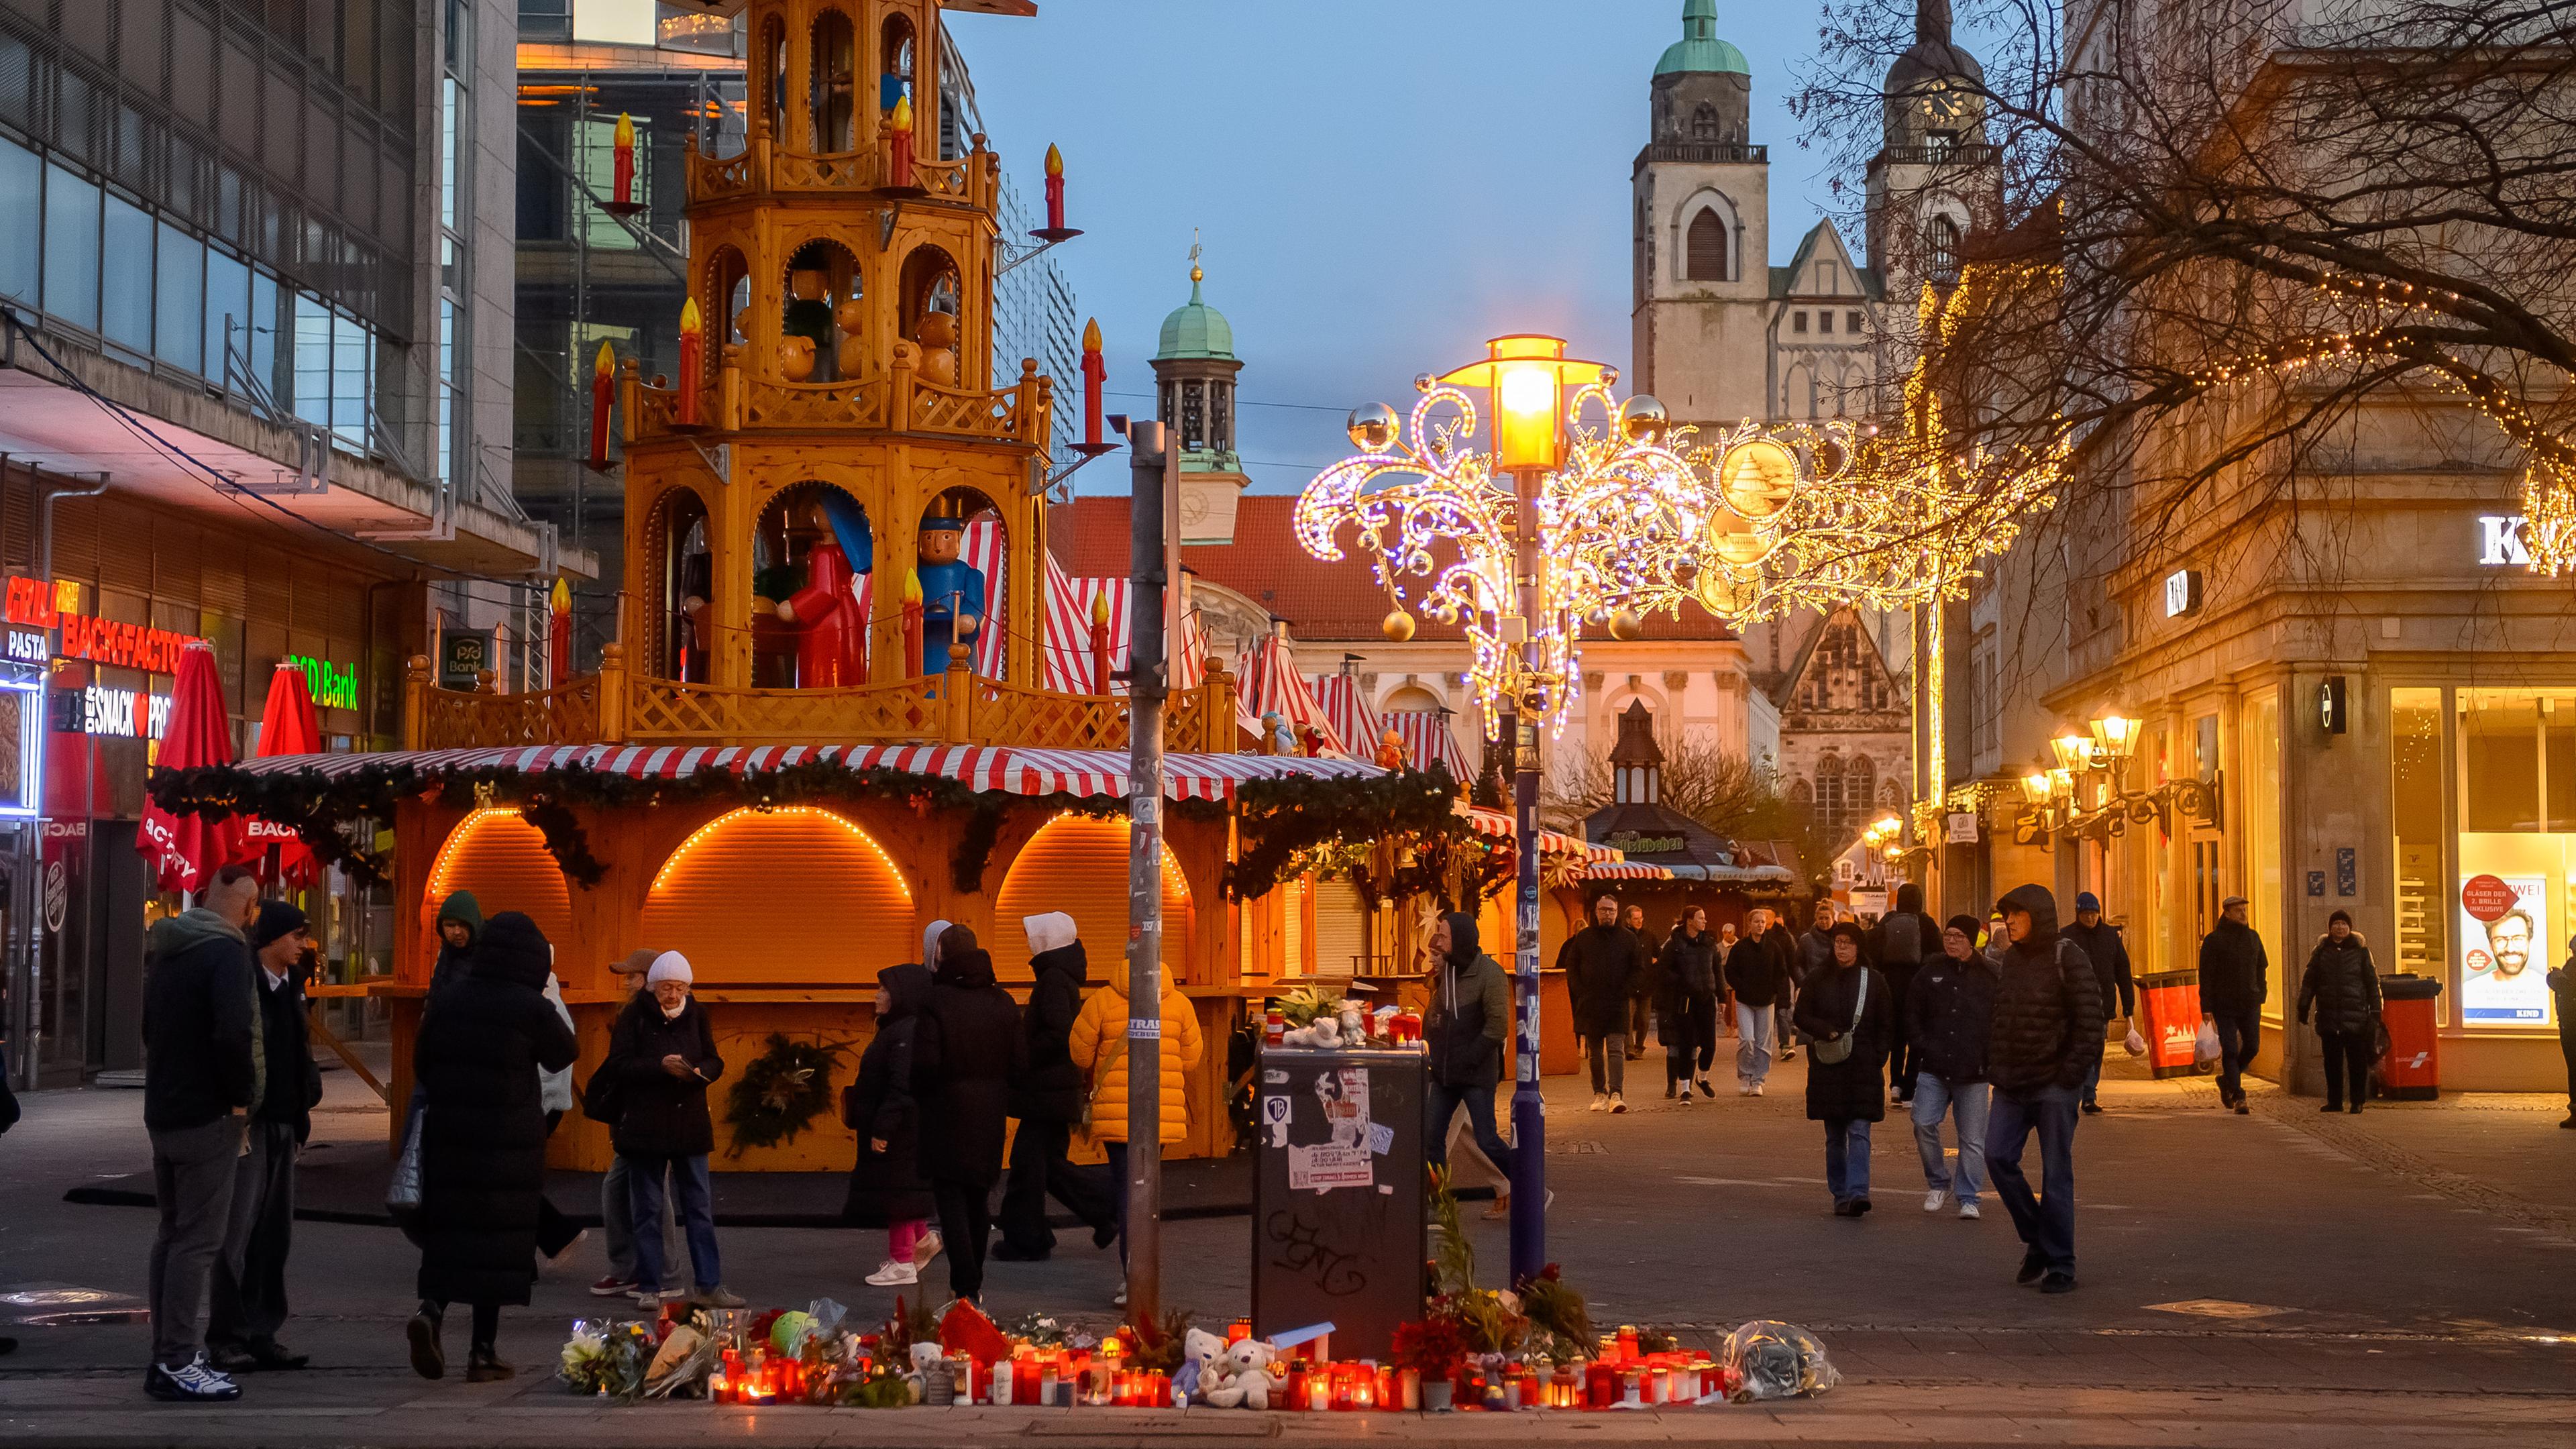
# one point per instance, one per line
(669, 966)
(930, 943)
(1052, 931)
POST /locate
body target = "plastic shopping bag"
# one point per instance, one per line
(1771, 1360)
(2205, 1047)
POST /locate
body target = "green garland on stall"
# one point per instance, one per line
(781, 1093)
(1281, 820)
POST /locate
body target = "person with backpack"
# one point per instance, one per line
(1845, 1012)
(1898, 946)
(2342, 987)
(2047, 1031)
(1463, 1035)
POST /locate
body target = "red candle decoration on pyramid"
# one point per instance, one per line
(1100, 662)
(623, 187)
(1095, 375)
(1055, 188)
(693, 343)
(912, 668)
(603, 377)
(899, 135)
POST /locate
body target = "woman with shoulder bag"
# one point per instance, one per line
(887, 1189)
(1844, 1008)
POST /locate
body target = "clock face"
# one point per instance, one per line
(1194, 508)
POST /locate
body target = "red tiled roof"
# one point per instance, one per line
(1267, 565)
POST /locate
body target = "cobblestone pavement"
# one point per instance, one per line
(2405, 1276)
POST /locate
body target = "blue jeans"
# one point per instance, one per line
(2092, 1079)
(2045, 1222)
(1440, 1103)
(693, 1198)
(1967, 1102)
(1847, 1159)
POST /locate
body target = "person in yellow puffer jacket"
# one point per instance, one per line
(1099, 1046)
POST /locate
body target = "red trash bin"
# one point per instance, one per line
(2169, 1018)
(2412, 1067)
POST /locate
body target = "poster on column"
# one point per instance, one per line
(2504, 950)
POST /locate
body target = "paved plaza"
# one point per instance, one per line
(2407, 1276)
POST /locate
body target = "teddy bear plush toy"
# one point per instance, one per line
(1250, 1377)
(1203, 1363)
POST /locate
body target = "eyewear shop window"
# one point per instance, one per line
(2489, 919)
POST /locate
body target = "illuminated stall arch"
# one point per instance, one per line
(1078, 865)
(795, 895)
(503, 860)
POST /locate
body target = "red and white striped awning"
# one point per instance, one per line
(1498, 823)
(1338, 695)
(982, 767)
(1066, 651)
(1624, 870)
(1270, 684)
(1427, 737)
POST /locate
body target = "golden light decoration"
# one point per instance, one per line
(1626, 512)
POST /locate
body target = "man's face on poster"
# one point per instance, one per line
(2510, 939)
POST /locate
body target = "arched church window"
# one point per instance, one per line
(1193, 415)
(1704, 254)
(1704, 123)
(1941, 249)
(1860, 787)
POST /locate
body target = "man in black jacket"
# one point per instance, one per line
(250, 1280)
(2047, 1032)
(1953, 1009)
(2234, 981)
(1047, 1100)
(2100, 942)
(1600, 963)
(1646, 985)
(1463, 1032)
(1757, 971)
(967, 1050)
(201, 1076)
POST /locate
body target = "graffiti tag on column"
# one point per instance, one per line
(1301, 1250)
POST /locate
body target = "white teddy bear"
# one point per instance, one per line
(1203, 1365)
(1248, 1377)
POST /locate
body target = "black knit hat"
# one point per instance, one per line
(276, 918)
(1965, 924)
(2343, 916)
(513, 948)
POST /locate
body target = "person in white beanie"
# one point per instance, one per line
(1047, 1100)
(665, 1053)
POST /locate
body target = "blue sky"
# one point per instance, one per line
(1381, 186)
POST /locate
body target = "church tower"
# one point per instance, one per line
(1194, 372)
(841, 483)
(1936, 180)
(1702, 232)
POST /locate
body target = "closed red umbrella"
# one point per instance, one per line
(287, 727)
(184, 851)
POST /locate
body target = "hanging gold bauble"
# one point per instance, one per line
(1397, 626)
(1625, 625)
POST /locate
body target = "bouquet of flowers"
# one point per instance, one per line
(604, 1357)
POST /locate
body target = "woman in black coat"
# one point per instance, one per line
(966, 1052)
(2342, 987)
(1047, 1100)
(887, 1189)
(1686, 1009)
(483, 1139)
(1846, 999)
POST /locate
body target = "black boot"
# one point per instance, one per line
(428, 1359)
(483, 1366)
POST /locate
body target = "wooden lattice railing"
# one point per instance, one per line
(616, 707)
(767, 166)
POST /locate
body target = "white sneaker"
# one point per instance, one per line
(1600, 1101)
(1968, 1210)
(891, 1274)
(1118, 1299)
(1932, 1200)
(1744, 1089)
(1618, 1102)
(1757, 1089)
(925, 1248)
(650, 1299)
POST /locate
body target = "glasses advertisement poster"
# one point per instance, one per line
(2505, 950)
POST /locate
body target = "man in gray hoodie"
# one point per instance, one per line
(202, 1074)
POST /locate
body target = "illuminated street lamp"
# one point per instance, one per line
(1575, 510)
